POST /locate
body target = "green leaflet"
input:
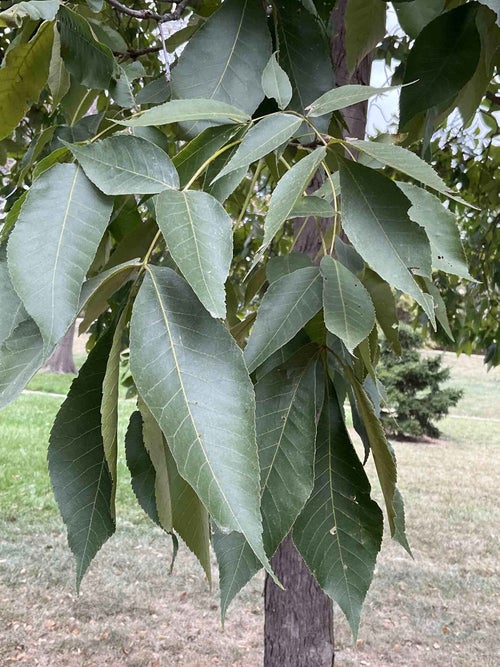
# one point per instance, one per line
(375, 218)
(142, 472)
(78, 470)
(300, 36)
(37, 10)
(287, 404)
(53, 244)
(413, 16)
(109, 406)
(347, 306)
(441, 227)
(312, 206)
(11, 306)
(404, 161)
(282, 265)
(192, 377)
(199, 150)
(23, 74)
(124, 164)
(224, 60)
(443, 58)
(21, 355)
(188, 110)
(364, 29)
(385, 306)
(264, 137)
(288, 192)
(198, 232)
(89, 61)
(289, 303)
(345, 96)
(339, 531)
(276, 84)
(58, 81)
(383, 455)
(154, 444)
(96, 292)
(190, 517)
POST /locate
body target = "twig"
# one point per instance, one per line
(146, 14)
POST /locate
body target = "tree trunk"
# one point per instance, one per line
(61, 360)
(298, 626)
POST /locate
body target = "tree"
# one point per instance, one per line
(166, 216)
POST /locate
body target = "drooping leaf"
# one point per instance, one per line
(304, 54)
(109, 407)
(276, 84)
(192, 376)
(97, 291)
(23, 74)
(402, 160)
(440, 307)
(142, 472)
(312, 206)
(375, 218)
(383, 456)
(53, 244)
(78, 470)
(198, 232)
(289, 303)
(282, 265)
(124, 164)
(199, 150)
(89, 61)
(345, 96)
(11, 307)
(415, 15)
(400, 522)
(385, 306)
(155, 92)
(225, 59)
(188, 110)
(21, 355)
(348, 308)
(443, 58)
(339, 531)
(37, 10)
(287, 404)
(364, 29)
(288, 192)
(441, 227)
(122, 89)
(263, 138)
(156, 449)
(99, 283)
(59, 80)
(191, 520)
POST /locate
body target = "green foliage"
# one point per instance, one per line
(166, 202)
(413, 382)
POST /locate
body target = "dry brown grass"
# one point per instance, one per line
(438, 610)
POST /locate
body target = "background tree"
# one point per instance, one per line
(156, 191)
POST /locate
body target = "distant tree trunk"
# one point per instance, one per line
(298, 626)
(61, 360)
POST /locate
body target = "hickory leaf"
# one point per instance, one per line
(198, 232)
(78, 470)
(125, 164)
(192, 376)
(53, 244)
(289, 303)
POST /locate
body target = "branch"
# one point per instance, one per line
(145, 14)
(136, 13)
(137, 53)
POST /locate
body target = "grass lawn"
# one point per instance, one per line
(440, 609)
